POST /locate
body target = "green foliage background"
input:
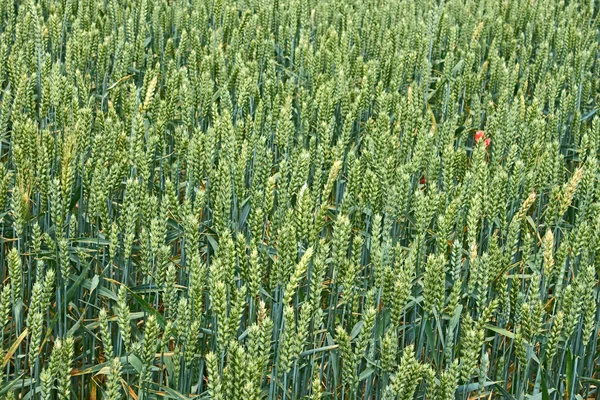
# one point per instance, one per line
(264, 199)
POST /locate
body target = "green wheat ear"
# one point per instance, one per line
(123, 316)
(113, 384)
(214, 379)
(15, 271)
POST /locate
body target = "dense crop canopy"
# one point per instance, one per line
(324, 199)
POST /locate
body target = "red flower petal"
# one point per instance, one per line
(487, 142)
(479, 135)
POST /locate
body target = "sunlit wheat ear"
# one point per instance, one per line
(105, 333)
(35, 321)
(346, 357)
(113, 384)
(434, 284)
(470, 349)
(47, 383)
(214, 379)
(389, 350)
(549, 262)
(5, 302)
(15, 271)
(151, 342)
(64, 371)
(408, 375)
(554, 337)
(123, 315)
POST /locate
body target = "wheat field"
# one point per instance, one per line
(301, 199)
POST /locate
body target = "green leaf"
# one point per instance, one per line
(95, 281)
(366, 373)
(14, 384)
(456, 316)
(134, 361)
(173, 394)
(318, 350)
(356, 329)
(147, 307)
(91, 369)
(545, 393)
(570, 374)
(500, 331)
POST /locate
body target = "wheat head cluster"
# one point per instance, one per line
(299, 199)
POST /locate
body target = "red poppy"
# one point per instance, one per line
(479, 135)
(487, 142)
(422, 180)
